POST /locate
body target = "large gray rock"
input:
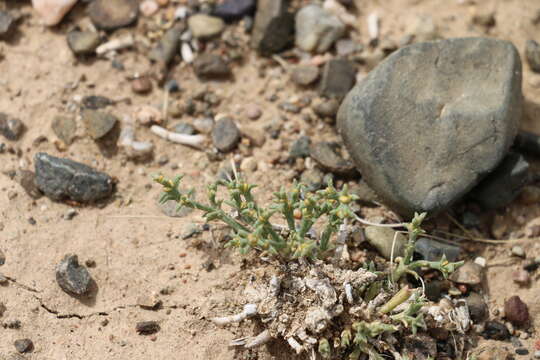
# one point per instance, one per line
(64, 178)
(432, 119)
(317, 29)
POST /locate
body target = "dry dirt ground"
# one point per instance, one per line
(137, 250)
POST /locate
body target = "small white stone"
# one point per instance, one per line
(480, 261)
(187, 53)
(148, 7)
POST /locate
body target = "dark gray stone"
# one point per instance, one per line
(327, 156)
(496, 331)
(300, 147)
(432, 250)
(72, 277)
(184, 128)
(211, 66)
(225, 135)
(338, 78)
(65, 128)
(230, 10)
(97, 123)
(532, 54)
(27, 180)
(478, 308)
(305, 75)
(528, 143)
(504, 184)
(96, 102)
(147, 327)
(273, 30)
(167, 47)
(83, 42)
(326, 108)
(11, 128)
(2, 262)
(113, 14)
(64, 178)
(430, 121)
(24, 345)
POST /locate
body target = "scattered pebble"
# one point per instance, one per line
(480, 261)
(83, 42)
(326, 108)
(65, 128)
(469, 273)
(382, 238)
(204, 26)
(52, 11)
(273, 28)
(148, 8)
(230, 10)
(516, 311)
(225, 135)
(147, 327)
(167, 48)
(97, 123)
(532, 54)
(11, 128)
(95, 102)
(253, 112)
(300, 148)
(496, 331)
(304, 75)
(6, 24)
(64, 178)
(327, 156)
(522, 351)
(211, 66)
(478, 309)
(113, 14)
(432, 250)
(70, 214)
(518, 251)
(27, 180)
(317, 29)
(204, 125)
(338, 78)
(72, 277)
(24, 345)
(2, 258)
(141, 85)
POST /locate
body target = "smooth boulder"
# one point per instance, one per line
(431, 120)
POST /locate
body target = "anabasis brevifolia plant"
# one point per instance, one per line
(315, 305)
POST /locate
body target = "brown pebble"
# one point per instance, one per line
(147, 327)
(521, 277)
(141, 85)
(516, 311)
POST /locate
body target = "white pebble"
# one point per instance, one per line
(187, 53)
(480, 261)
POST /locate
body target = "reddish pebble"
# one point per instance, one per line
(141, 85)
(537, 345)
(187, 267)
(153, 337)
(183, 254)
(253, 112)
(516, 311)
(521, 277)
(463, 288)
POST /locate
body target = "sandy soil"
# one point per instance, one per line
(139, 251)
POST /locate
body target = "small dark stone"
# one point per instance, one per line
(2, 258)
(496, 331)
(516, 311)
(6, 23)
(338, 78)
(97, 123)
(72, 277)
(96, 102)
(522, 351)
(27, 179)
(477, 307)
(147, 327)
(305, 75)
(532, 54)
(290, 107)
(24, 345)
(167, 47)
(32, 221)
(172, 86)
(65, 128)
(504, 184)
(64, 178)
(531, 266)
(184, 128)
(211, 66)
(11, 128)
(528, 142)
(83, 42)
(230, 10)
(327, 156)
(300, 147)
(313, 179)
(225, 135)
(273, 30)
(113, 14)
(434, 290)
(421, 346)
(432, 250)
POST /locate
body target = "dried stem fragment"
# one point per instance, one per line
(196, 141)
(249, 310)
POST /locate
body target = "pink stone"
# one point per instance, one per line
(521, 277)
(148, 7)
(52, 11)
